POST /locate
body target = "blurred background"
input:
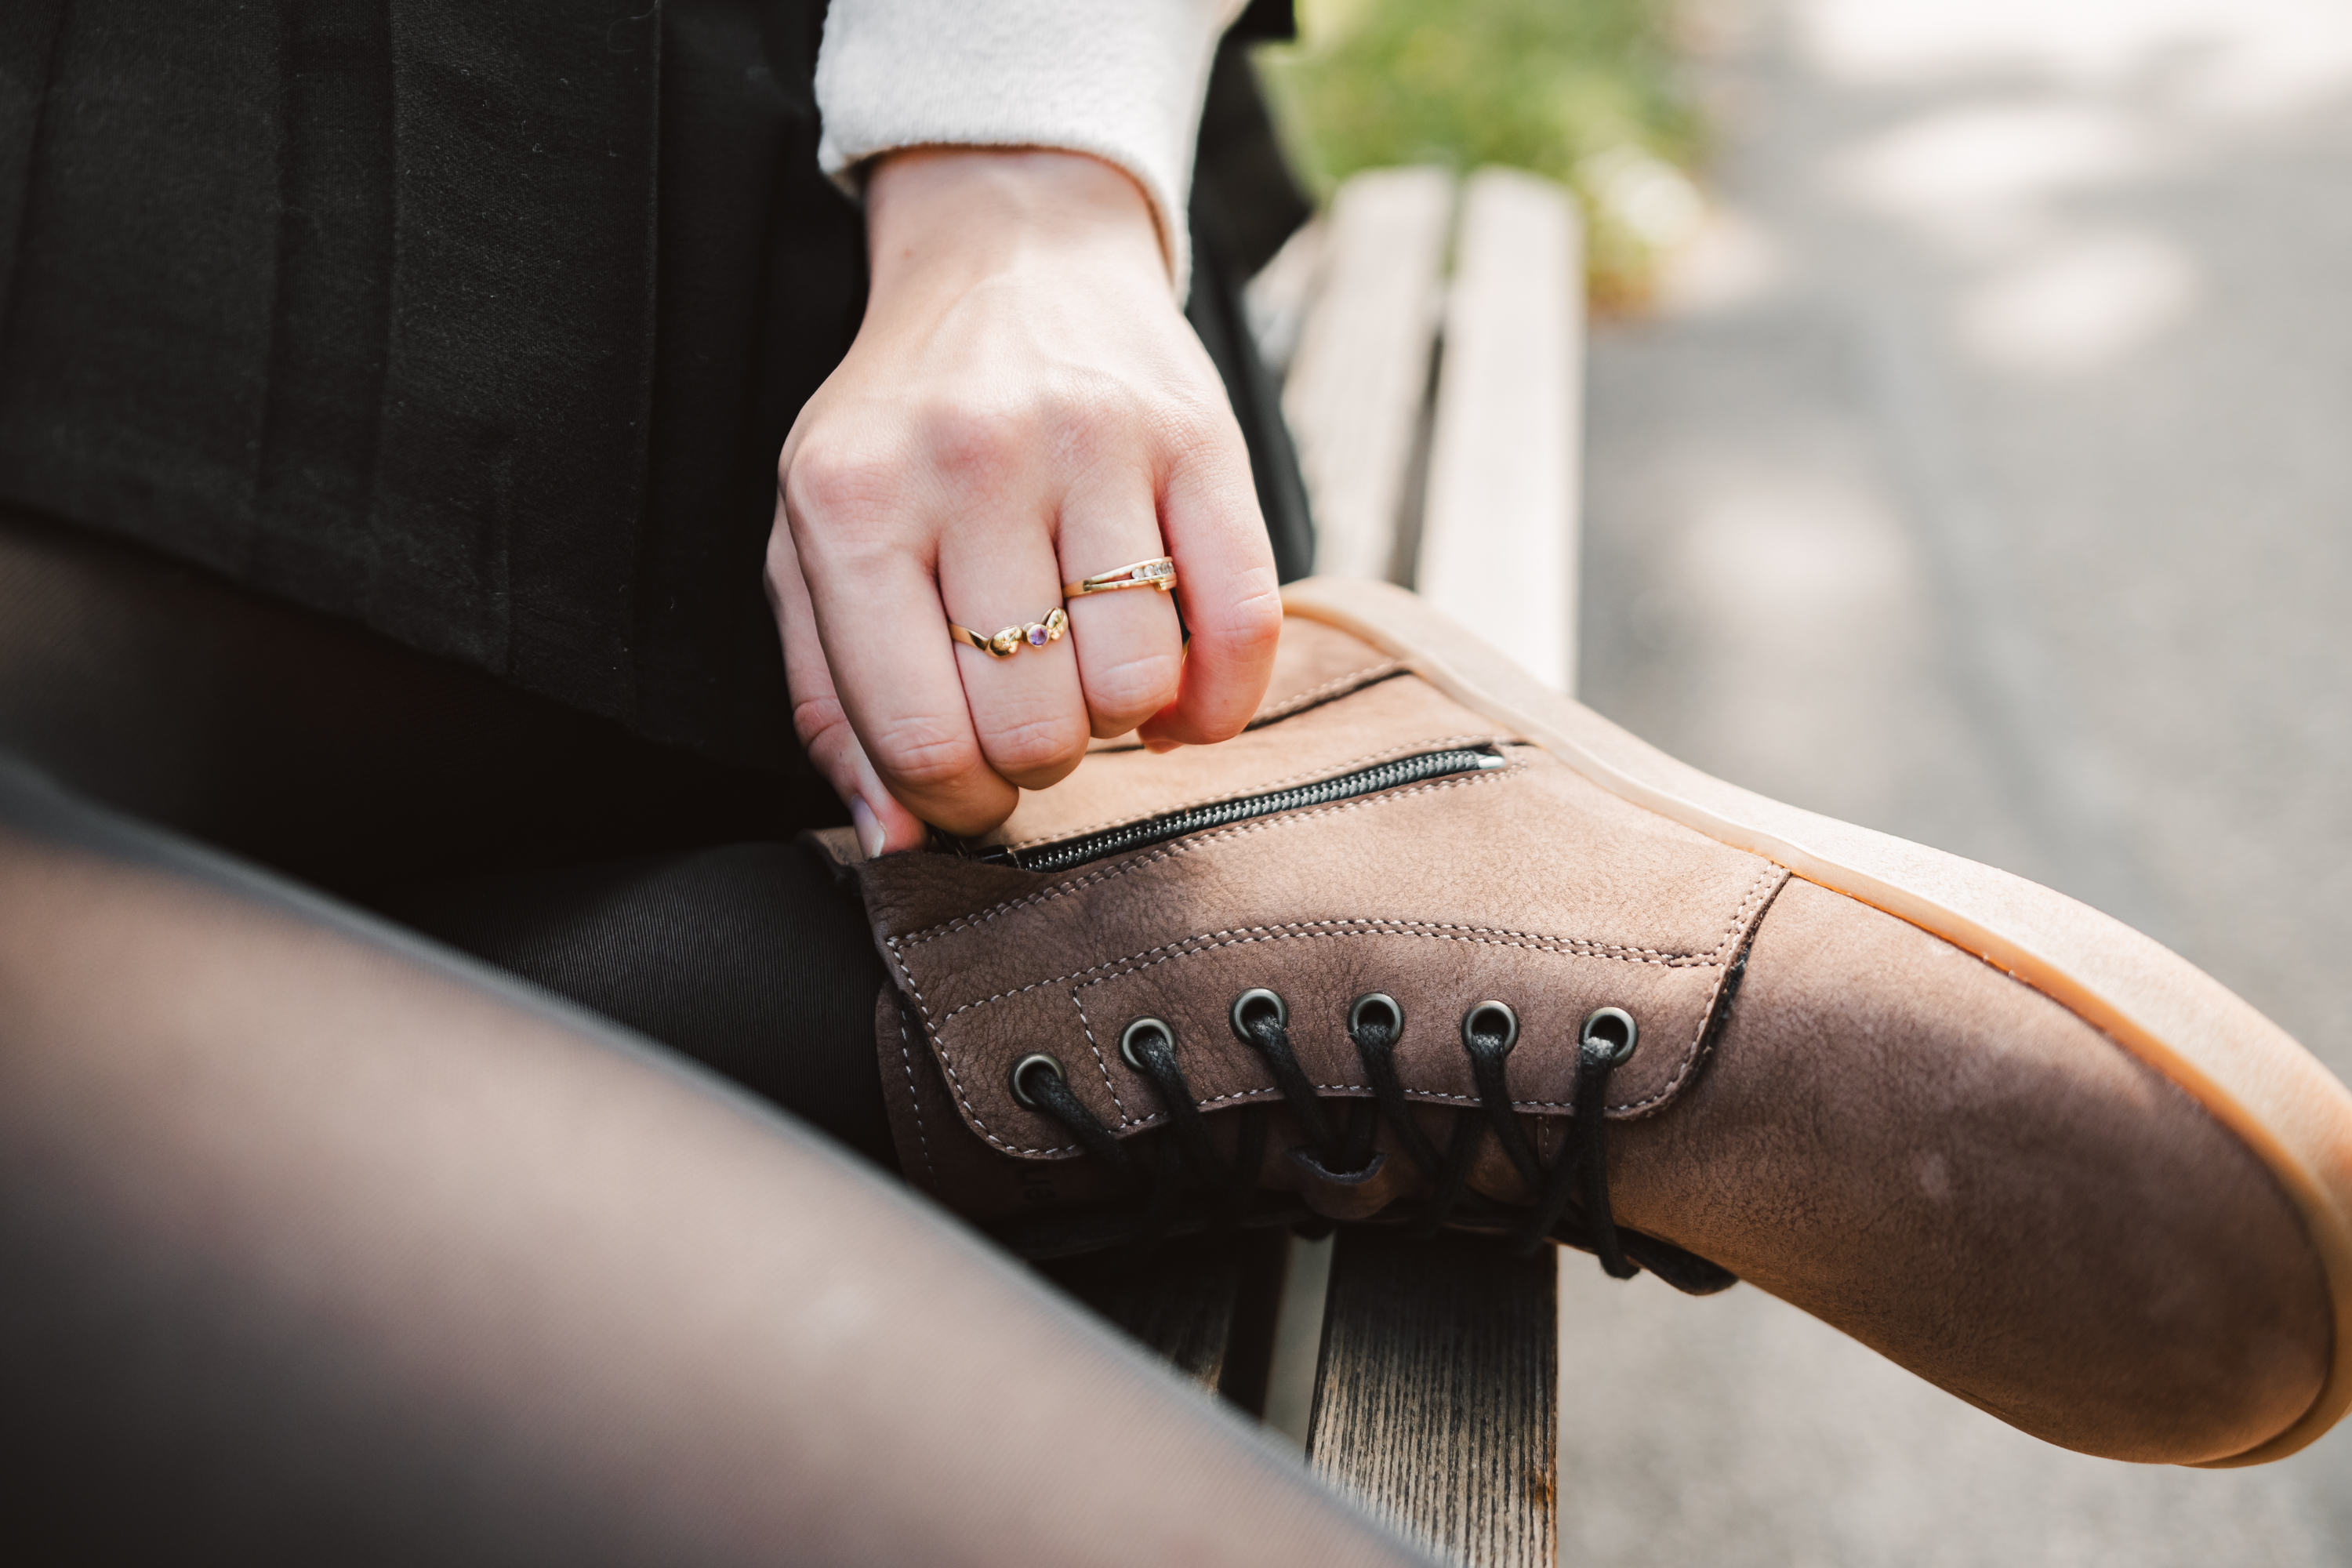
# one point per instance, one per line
(1967, 453)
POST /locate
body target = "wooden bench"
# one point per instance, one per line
(1436, 418)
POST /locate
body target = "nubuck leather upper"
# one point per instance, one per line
(1429, 944)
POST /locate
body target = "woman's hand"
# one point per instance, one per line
(1023, 407)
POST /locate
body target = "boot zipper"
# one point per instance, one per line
(1069, 852)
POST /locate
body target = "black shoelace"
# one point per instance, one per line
(1572, 1200)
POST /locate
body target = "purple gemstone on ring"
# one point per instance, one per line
(1037, 634)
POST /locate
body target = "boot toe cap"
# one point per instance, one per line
(1959, 1172)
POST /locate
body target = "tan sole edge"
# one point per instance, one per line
(2249, 1074)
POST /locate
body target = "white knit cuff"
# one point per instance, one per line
(1122, 79)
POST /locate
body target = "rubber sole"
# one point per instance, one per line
(2251, 1075)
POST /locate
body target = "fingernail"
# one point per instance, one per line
(1161, 748)
(870, 829)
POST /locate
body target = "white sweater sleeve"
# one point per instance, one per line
(1122, 79)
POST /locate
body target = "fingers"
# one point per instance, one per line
(890, 551)
(886, 642)
(908, 724)
(1027, 711)
(1227, 586)
(867, 570)
(884, 824)
(1129, 646)
(978, 448)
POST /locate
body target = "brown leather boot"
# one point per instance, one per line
(1428, 945)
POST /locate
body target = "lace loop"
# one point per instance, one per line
(1038, 1082)
(1148, 1046)
(1571, 1194)
(1375, 1024)
(1453, 1182)
(1579, 1171)
(1489, 1030)
(1262, 1018)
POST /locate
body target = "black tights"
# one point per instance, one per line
(319, 1242)
(745, 957)
(661, 890)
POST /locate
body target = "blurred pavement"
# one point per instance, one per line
(1984, 477)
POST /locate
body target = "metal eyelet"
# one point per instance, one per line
(1609, 1035)
(1257, 996)
(1021, 1068)
(1127, 1051)
(1489, 1011)
(1375, 1002)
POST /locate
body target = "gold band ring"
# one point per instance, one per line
(1013, 639)
(1157, 573)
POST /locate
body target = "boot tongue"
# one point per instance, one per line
(1346, 1194)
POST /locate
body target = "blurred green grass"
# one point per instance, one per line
(1589, 92)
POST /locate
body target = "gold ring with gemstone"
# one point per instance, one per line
(1159, 573)
(1013, 639)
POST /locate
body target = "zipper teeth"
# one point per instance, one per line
(1072, 852)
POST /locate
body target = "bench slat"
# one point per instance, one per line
(1499, 534)
(1207, 1305)
(1436, 1398)
(1360, 375)
(1436, 1401)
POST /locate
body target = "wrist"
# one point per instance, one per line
(959, 214)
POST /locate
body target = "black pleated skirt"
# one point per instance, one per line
(479, 323)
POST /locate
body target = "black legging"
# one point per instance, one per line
(319, 1242)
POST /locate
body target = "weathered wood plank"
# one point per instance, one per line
(1360, 375)
(1437, 1400)
(1206, 1304)
(1499, 524)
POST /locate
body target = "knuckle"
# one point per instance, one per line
(980, 446)
(1249, 631)
(829, 479)
(1191, 432)
(925, 753)
(1088, 418)
(1038, 745)
(1134, 687)
(1251, 626)
(815, 718)
(1193, 426)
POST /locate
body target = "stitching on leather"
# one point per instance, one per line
(1328, 770)
(1251, 934)
(1739, 917)
(914, 1096)
(1775, 877)
(955, 1079)
(1102, 1063)
(1197, 841)
(1365, 925)
(1281, 934)
(1426, 1096)
(1330, 690)
(1771, 876)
